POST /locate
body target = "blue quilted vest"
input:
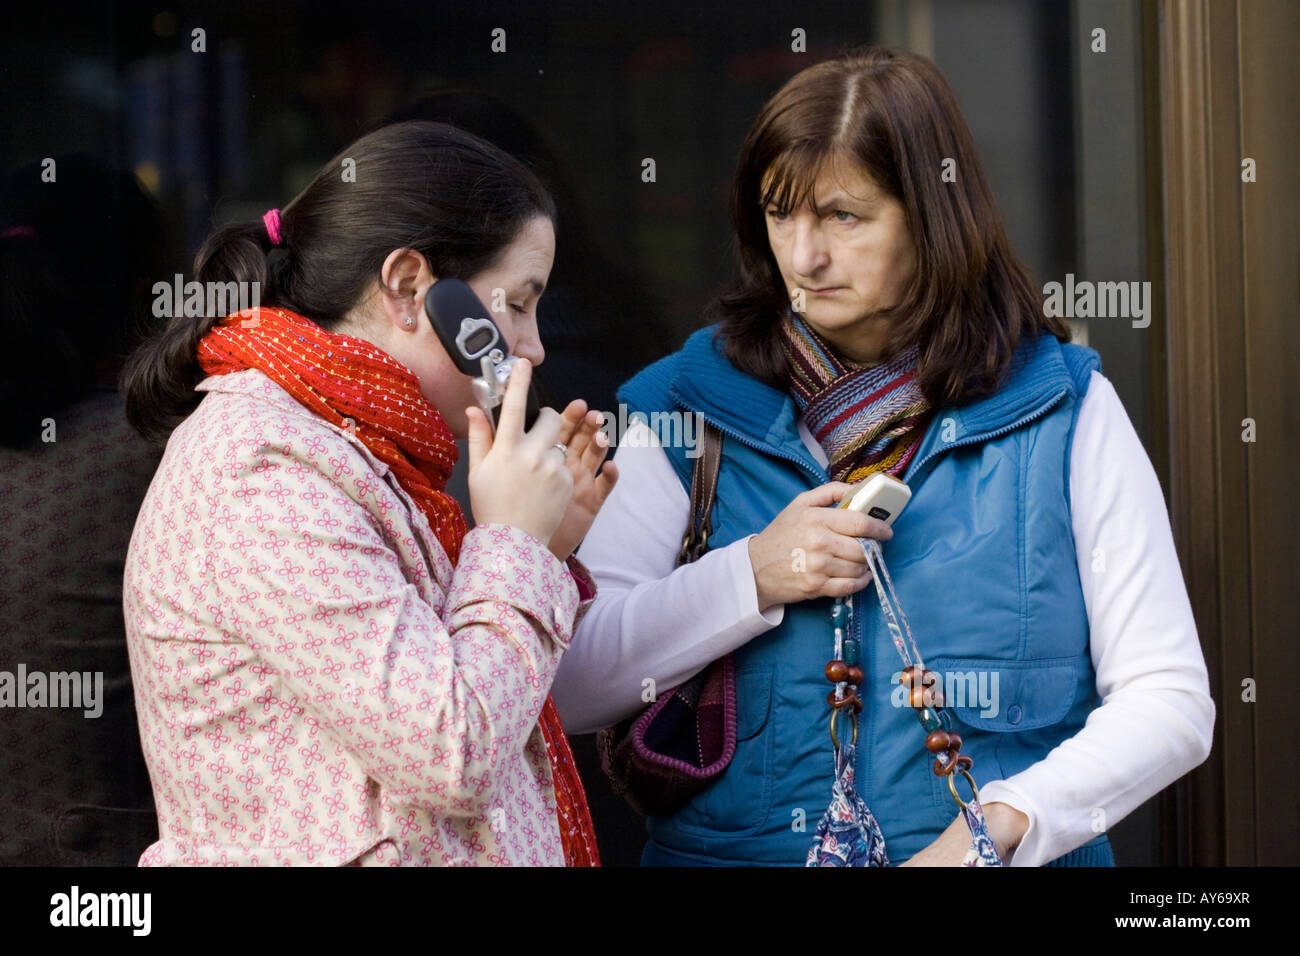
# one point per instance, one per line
(983, 561)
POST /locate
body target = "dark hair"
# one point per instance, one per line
(895, 115)
(430, 187)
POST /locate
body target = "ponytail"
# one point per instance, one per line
(159, 378)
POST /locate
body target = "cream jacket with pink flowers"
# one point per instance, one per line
(315, 682)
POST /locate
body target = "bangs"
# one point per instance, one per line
(792, 177)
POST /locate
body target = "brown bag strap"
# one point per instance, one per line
(704, 489)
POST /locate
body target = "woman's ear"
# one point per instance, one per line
(404, 279)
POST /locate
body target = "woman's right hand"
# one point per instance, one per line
(518, 478)
(811, 550)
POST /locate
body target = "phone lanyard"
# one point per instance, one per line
(923, 687)
(849, 834)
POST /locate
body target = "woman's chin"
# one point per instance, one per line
(836, 323)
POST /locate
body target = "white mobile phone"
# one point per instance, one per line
(879, 496)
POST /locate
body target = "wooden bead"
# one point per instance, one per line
(964, 762)
(924, 697)
(855, 675)
(954, 742)
(837, 672)
(937, 741)
(933, 696)
(849, 699)
(909, 677)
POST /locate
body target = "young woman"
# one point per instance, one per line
(328, 667)
(879, 322)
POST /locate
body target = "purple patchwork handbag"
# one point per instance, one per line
(661, 758)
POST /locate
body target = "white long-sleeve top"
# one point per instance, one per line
(1156, 718)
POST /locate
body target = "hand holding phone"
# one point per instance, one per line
(475, 344)
(810, 550)
(518, 478)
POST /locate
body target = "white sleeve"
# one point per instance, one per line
(1156, 719)
(650, 622)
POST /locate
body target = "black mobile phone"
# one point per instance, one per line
(466, 330)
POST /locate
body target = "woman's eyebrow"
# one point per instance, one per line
(537, 285)
(841, 198)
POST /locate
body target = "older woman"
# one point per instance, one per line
(329, 668)
(879, 322)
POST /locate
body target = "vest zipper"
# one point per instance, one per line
(855, 621)
(819, 473)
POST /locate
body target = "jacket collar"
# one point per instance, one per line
(258, 385)
(704, 381)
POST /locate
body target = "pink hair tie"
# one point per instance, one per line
(272, 221)
(19, 232)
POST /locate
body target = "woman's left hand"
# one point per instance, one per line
(1007, 827)
(587, 445)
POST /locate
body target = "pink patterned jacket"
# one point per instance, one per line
(315, 682)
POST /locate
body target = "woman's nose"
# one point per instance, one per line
(529, 345)
(809, 254)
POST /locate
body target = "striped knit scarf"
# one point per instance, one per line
(354, 384)
(866, 418)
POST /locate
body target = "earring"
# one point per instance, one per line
(409, 321)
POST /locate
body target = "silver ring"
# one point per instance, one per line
(562, 448)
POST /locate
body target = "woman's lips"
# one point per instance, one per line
(826, 291)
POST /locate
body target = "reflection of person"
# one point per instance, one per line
(329, 667)
(880, 322)
(72, 474)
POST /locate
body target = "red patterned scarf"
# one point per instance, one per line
(867, 418)
(356, 385)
